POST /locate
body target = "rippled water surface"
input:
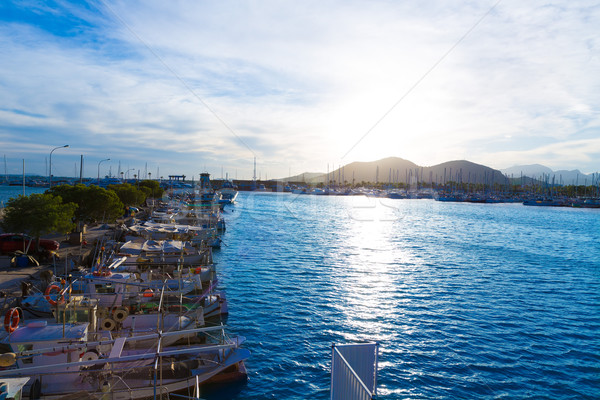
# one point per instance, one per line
(466, 300)
(6, 192)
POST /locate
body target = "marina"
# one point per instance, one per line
(422, 278)
(365, 200)
(127, 317)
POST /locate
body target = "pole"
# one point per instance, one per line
(23, 177)
(100, 162)
(50, 166)
(81, 170)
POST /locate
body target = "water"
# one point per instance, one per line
(7, 192)
(466, 300)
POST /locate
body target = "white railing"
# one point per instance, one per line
(354, 371)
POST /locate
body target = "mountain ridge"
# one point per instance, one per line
(399, 170)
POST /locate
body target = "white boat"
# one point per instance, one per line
(165, 251)
(60, 360)
(228, 193)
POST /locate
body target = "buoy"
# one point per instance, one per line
(108, 324)
(61, 296)
(11, 320)
(148, 293)
(8, 359)
(120, 314)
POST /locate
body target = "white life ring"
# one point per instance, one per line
(89, 356)
(108, 324)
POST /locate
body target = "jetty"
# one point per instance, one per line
(124, 310)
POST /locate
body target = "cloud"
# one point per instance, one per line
(189, 83)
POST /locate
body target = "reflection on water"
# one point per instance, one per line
(467, 300)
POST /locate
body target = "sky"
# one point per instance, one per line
(182, 87)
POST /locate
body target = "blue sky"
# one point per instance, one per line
(179, 87)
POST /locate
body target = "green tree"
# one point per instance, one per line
(128, 194)
(155, 191)
(38, 214)
(94, 203)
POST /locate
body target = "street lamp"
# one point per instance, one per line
(50, 166)
(127, 173)
(100, 162)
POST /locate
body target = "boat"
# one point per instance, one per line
(60, 360)
(228, 193)
(262, 188)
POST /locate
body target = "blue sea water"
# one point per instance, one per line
(7, 192)
(467, 301)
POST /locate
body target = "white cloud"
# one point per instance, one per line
(300, 83)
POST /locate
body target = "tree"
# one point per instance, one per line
(94, 203)
(155, 191)
(38, 214)
(128, 194)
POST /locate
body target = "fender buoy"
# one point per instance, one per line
(120, 314)
(11, 320)
(148, 293)
(8, 359)
(61, 296)
(108, 324)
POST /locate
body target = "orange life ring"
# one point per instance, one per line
(148, 293)
(11, 320)
(61, 296)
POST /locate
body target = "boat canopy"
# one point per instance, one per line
(136, 247)
(38, 332)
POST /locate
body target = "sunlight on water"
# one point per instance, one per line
(466, 301)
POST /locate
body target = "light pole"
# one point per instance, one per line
(100, 162)
(50, 165)
(127, 173)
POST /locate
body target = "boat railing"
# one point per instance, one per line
(110, 361)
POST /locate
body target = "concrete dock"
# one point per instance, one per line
(69, 255)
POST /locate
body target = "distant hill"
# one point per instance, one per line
(399, 170)
(543, 174)
(533, 170)
(304, 177)
(463, 171)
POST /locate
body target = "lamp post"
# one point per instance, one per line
(50, 165)
(127, 173)
(100, 162)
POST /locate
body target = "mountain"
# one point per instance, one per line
(463, 171)
(304, 177)
(543, 174)
(532, 171)
(395, 169)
